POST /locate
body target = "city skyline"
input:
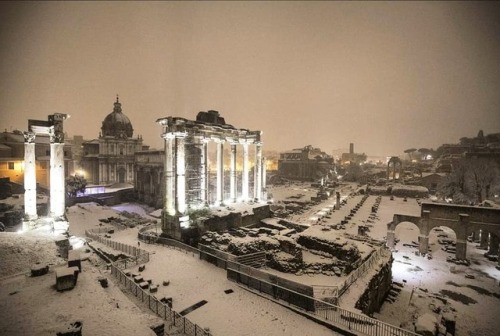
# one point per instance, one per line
(385, 76)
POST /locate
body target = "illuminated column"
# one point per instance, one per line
(29, 176)
(244, 176)
(180, 170)
(220, 173)
(169, 205)
(204, 173)
(258, 172)
(57, 197)
(461, 244)
(264, 193)
(232, 175)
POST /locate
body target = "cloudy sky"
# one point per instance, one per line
(386, 76)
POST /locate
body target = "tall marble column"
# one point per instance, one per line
(29, 177)
(169, 206)
(57, 196)
(244, 176)
(220, 173)
(233, 191)
(180, 171)
(258, 173)
(204, 178)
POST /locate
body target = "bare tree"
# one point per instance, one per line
(472, 180)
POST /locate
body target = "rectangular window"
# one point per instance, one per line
(11, 165)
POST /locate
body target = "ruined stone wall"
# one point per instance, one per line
(376, 291)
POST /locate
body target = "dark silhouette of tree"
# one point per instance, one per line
(410, 151)
(471, 181)
(75, 184)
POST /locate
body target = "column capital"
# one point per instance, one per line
(29, 137)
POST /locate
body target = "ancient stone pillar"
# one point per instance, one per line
(337, 203)
(169, 206)
(204, 173)
(180, 172)
(232, 175)
(29, 177)
(423, 237)
(484, 239)
(494, 241)
(461, 245)
(258, 173)
(391, 235)
(220, 173)
(57, 196)
(264, 171)
(244, 176)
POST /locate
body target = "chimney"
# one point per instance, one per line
(351, 148)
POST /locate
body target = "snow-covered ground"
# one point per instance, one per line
(476, 301)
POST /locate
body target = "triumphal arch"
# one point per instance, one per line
(186, 173)
(56, 217)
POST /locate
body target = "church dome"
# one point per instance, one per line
(117, 124)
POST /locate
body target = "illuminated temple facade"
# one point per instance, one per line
(187, 179)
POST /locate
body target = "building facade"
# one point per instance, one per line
(306, 164)
(109, 159)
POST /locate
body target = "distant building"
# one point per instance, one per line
(351, 157)
(148, 184)
(306, 164)
(109, 159)
(12, 158)
(431, 181)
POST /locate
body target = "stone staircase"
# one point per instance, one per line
(256, 260)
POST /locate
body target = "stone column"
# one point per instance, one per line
(180, 171)
(493, 250)
(29, 177)
(258, 173)
(220, 173)
(391, 235)
(232, 175)
(423, 237)
(57, 196)
(484, 239)
(169, 205)
(461, 245)
(337, 204)
(264, 172)
(244, 176)
(204, 173)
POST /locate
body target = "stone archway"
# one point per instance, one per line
(394, 169)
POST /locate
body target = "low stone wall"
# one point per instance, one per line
(376, 291)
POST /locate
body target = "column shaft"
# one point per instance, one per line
(29, 181)
(180, 170)
(258, 173)
(57, 193)
(169, 205)
(220, 173)
(233, 174)
(244, 176)
(204, 173)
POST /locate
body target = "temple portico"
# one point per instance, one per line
(54, 129)
(187, 177)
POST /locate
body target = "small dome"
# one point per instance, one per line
(117, 124)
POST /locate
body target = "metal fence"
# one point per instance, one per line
(326, 311)
(159, 308)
